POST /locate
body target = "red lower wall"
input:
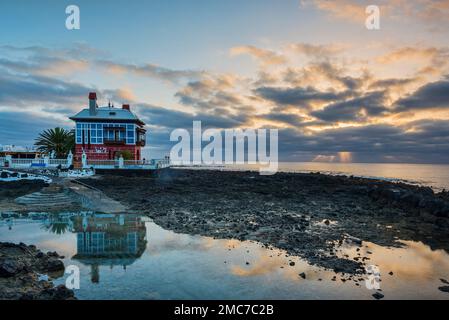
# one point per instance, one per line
(103, 152)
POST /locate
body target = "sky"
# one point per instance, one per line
(335, 90)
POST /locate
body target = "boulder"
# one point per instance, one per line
(9, 268)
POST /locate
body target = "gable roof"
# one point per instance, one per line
(107, 113)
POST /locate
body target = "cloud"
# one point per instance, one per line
(316, 51)
(391, 83)
(25, 91)
(298, 96)
(325, 109)
(57, 62)
(265, 57)
(432, 14)
(433, 54)
(323, 73)
(291, 119)
(21, 128)
(431, 95)
(357, 109)
(150, 70)
(341, 9)
(428, 142)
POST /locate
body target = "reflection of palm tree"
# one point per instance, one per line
(56, 225)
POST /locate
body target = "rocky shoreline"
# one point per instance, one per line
(25, 274)
(313, 216)
(308, 215)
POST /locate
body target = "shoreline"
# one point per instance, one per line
(26, 273)
(288, 168)
(314, 217)
(308, 215)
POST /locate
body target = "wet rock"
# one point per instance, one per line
(60, 292)
(27, 296)
(378, 295)
(9, 268)
(23, 271)
(284, 210)
(54, 265)
(353, 240)
(444, 289)
(10, 190)
(53, 254)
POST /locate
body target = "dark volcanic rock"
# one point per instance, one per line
(378, 295)
(19, 268)
(14, 189)
(9, 267)
(444, 288)
(286, 210)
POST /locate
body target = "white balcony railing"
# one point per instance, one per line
(57, 162)
(103, 164)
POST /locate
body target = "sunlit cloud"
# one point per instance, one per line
(265, 57)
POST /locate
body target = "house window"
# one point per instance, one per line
(130, 134)
(78, 133)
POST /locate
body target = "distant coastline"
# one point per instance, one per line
(435, 176)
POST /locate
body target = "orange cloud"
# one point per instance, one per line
(266, 57)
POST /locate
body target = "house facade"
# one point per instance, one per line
(105, 133)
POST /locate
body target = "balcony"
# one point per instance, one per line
(113, 142)
(140, 143)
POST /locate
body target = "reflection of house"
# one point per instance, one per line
(109, 239)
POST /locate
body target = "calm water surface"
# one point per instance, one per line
(129, 257)
(435, 176)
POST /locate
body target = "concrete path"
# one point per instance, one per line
(52, 197)
(93, 199)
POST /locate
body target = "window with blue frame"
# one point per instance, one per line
(130, 134)
(78, 133)
(97, 131)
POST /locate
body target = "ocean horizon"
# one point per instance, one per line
(435, 176)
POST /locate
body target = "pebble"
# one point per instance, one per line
(378, 295)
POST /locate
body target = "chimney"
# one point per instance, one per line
(92, 103)
(126, 107)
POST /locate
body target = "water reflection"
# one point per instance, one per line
(108, 239)
(57, 223)
(168, 265)
(101, 239)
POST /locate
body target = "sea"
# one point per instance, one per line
(435, 176)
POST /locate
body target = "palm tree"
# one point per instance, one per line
(59, 140)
